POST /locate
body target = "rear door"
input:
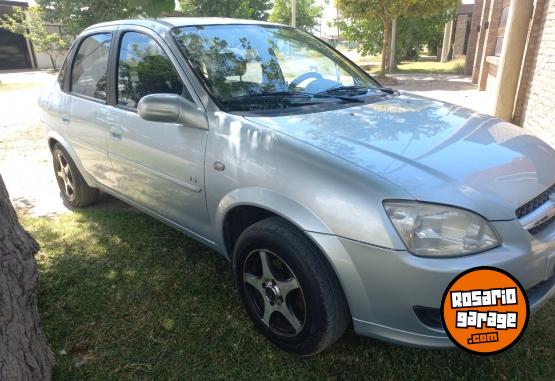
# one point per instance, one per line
(85, 110)
(158, 165)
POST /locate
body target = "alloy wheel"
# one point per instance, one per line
(64, 175)
(275, 293)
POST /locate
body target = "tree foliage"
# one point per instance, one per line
(413, 32)
(308, 13)
(76, 15)
(368, 33)
(246, 9)
(30, 25)
(364, 14)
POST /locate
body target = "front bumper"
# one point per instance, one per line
(384, 286)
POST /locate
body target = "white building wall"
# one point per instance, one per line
(42, 60)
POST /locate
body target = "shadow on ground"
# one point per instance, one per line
(126, 297)
(436, 82)
(106, 201)
(28, 205)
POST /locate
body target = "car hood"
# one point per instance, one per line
(435, 151)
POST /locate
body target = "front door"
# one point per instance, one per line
(158, 165)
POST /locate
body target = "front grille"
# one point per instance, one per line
(534, 204)
(542, 226)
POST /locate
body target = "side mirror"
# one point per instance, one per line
(171, 108)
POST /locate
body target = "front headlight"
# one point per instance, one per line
(437, 230)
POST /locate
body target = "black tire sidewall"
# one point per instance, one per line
(289, 249)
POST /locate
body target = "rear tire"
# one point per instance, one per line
(288, 287)
(74, 190)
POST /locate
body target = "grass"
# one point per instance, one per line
(123, 296)
(426, 67)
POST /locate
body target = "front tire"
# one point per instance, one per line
(288, 288)
(74, 190)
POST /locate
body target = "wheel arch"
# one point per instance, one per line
(232, 208)
(245, 206)
(53, 138)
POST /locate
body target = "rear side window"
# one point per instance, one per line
(144, 69)
(90, 66)
(62, 75)
(64, 68)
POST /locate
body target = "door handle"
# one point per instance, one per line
(65, 119)
(116, 132)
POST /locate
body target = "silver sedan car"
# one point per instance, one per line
(335, 199)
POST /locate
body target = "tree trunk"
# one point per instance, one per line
(385, 46)
(393, 46)
(52, 61)
(24, 352)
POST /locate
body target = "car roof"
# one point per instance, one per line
(191, 21)
(172, 22)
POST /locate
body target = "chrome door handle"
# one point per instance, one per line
(116, 132)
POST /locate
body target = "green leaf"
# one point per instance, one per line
(153, 7)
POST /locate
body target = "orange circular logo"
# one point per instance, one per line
(485, 310)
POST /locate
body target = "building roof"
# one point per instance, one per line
(13, 3)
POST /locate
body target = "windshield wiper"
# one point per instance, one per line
(269, 94)
(289, 94)
(388, 90)
(345, 90)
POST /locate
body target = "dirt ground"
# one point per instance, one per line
(452, 88)
(25, 161)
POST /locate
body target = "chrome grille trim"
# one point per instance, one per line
(540, 227)
(539, 213)
(535, 203)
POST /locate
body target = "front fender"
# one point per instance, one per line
(316, 230)
(272, 201)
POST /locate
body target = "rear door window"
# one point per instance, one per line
(90, 66)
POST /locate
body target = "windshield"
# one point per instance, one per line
(250, 64)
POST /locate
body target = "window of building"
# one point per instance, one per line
(501, 30)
